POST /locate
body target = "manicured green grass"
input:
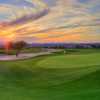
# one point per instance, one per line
(71, 76)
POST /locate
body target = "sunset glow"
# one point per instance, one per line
(44, 21)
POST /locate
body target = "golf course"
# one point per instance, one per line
(74, 75)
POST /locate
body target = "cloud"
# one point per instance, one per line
(52, 20)
(31, 17)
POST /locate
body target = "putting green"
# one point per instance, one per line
(70, 61)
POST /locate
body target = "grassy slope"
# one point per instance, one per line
(73, 76)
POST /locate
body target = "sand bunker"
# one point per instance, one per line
(21, 56)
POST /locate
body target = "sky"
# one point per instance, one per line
(50, 21)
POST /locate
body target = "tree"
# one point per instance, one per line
(18, 46)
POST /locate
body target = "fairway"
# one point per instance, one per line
(71, 76)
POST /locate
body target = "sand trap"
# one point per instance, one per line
(21, 56)
(27, 55)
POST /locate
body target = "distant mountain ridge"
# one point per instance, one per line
(61, 45)
(66, 45)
